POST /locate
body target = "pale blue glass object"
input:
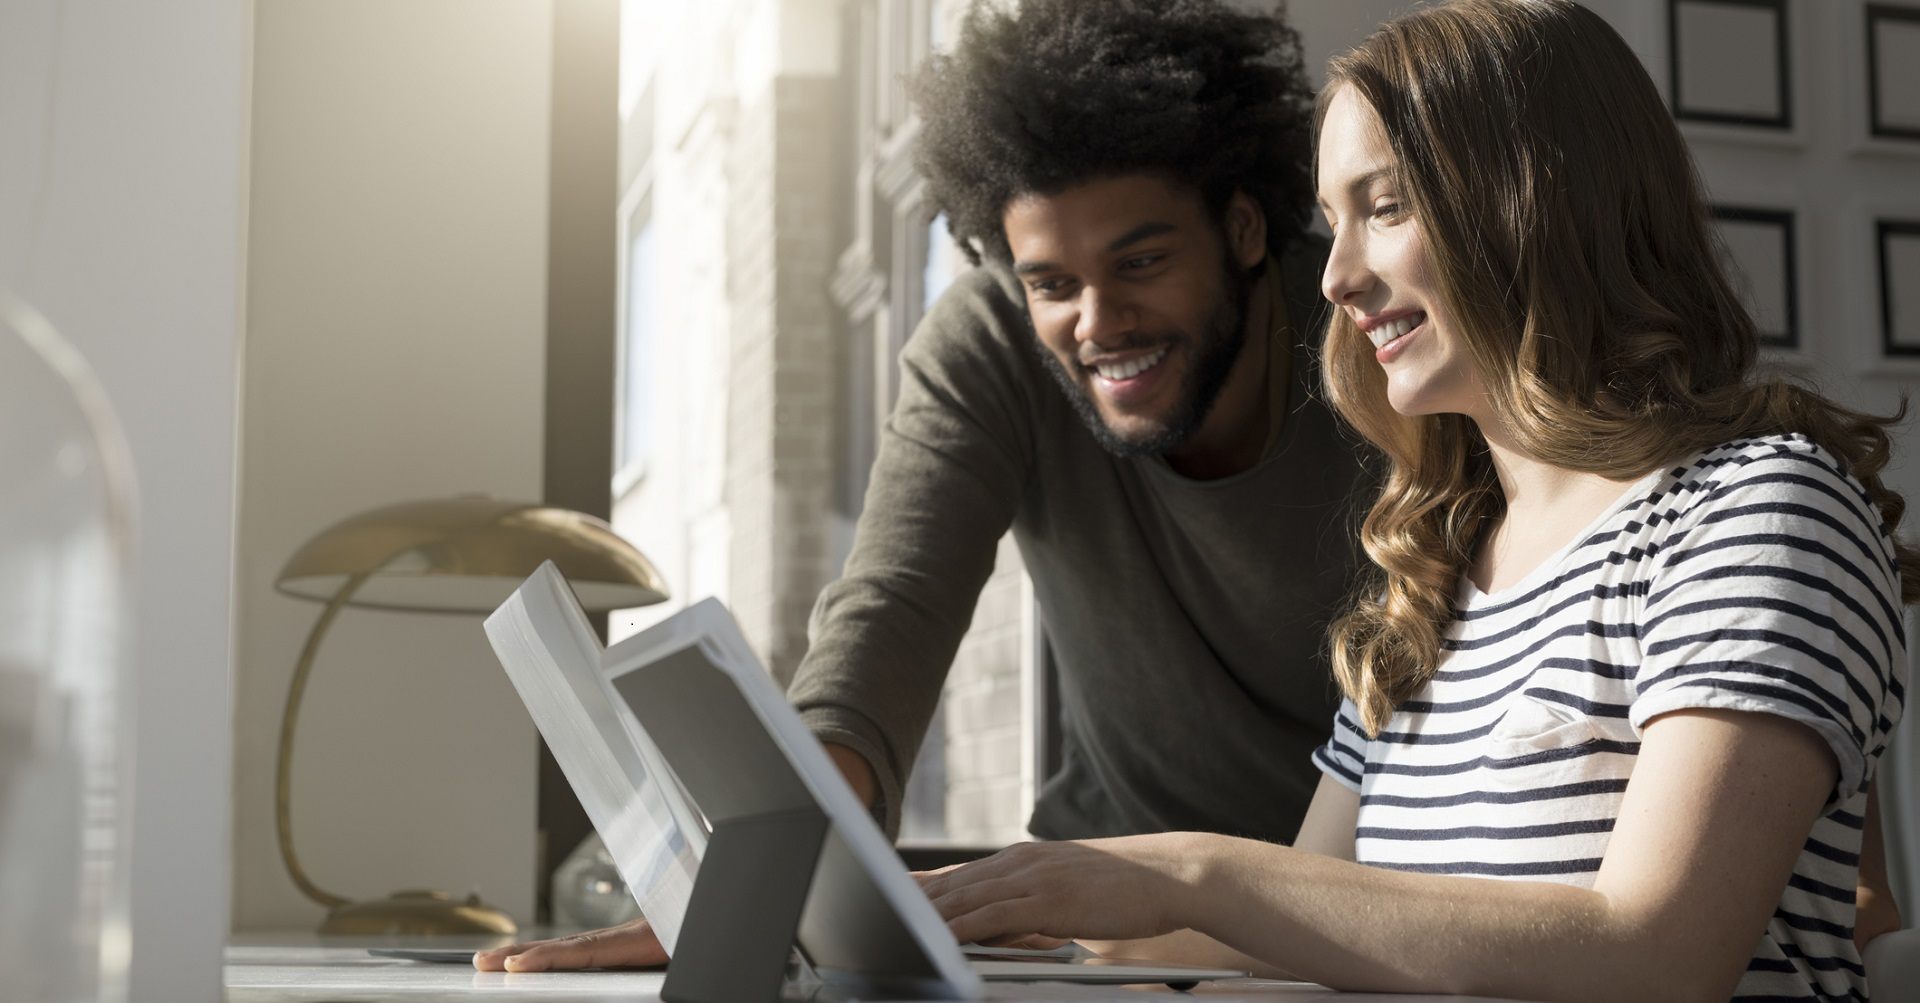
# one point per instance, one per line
(588, 891)
(66, 539)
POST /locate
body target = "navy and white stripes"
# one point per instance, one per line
(1755, 577)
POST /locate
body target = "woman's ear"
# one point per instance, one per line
(1246, 229)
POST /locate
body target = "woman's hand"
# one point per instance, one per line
(629, 945)
(1105, 889)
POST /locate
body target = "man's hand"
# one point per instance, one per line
(1876, 911)
(634, 944)
(1877, 914)
(629, 945)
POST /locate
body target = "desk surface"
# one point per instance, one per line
(295, 968)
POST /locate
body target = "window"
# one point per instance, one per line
(633, 433)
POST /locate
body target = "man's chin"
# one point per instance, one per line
(1137, 437)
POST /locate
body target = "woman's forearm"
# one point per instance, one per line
(1353, 927)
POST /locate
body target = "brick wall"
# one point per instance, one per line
(780, 440)
(987, 799)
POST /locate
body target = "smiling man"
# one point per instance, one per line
(1127, 383)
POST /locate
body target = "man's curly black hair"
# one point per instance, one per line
(1067, 91)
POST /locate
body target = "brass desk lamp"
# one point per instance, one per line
(453, 555)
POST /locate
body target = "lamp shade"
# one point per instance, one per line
(466, 555)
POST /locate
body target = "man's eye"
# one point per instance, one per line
(1047, 286)
(1140, 261)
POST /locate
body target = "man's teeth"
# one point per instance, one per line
(1128, 370)
(1395, 329)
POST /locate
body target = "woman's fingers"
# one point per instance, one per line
(961, 898)
(632, 945)
(998, 919)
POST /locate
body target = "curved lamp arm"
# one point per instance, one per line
(282, 781)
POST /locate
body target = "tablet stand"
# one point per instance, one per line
(739, 929)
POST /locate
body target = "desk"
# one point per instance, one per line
(297, 968)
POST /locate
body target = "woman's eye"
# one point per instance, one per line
(1388, 211)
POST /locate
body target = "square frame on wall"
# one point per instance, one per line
(1730, 63)
(1896, 247)
(1893, 72)
(1760, 248)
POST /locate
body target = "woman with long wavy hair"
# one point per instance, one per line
(1633, 647)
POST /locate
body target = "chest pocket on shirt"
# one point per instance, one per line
(1537, 742)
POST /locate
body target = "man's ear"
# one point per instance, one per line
(1246, 229)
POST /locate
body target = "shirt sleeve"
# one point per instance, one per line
(953, 463)
(1344, 757)
(1777, 593)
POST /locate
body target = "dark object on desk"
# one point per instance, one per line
(747, 902)
(431, 955)
(932, 858)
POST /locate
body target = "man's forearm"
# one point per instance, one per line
(856, 769)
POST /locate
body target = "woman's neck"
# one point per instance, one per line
(1532, 485)
(1546, 506)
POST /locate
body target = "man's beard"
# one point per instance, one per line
(1214, 353)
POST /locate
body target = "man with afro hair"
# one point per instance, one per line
(1127, 384)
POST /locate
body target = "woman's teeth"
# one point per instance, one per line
(1396, 329)
(1128, 370)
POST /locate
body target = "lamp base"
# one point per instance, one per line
(417, 913)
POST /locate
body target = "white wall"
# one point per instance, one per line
(396, 337)
(122, 199)
(673, 506)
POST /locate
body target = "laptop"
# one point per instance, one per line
(679, 734)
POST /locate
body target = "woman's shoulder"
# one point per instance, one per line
(1783, 479)
(1786, 463)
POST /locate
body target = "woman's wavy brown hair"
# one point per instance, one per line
(1567, 235)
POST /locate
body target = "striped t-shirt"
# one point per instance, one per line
(1756, 576)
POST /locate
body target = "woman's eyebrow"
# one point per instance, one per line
(1357, 185)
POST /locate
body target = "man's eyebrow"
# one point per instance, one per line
(1139, 233)
(1133, 236)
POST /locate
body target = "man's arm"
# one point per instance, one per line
(952, 469)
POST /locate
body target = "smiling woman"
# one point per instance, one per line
(1632, 648)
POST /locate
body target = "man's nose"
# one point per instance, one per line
(1105, 317)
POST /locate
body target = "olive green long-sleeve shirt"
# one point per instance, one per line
(1186, 618)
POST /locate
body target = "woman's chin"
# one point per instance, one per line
(1412, 405)
(1414, 399)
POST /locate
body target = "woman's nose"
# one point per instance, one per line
(1347, 277)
